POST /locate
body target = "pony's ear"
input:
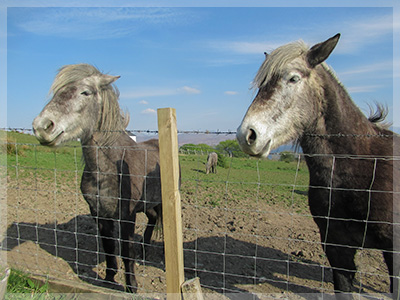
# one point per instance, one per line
(107, 79)
(320, 52)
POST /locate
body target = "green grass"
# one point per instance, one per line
(273, 181)
(26, 157)
(242, 178)
(20, 287)
(19, 284)
(245, 182)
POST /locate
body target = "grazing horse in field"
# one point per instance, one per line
(211, 164)
(121, 177)
(351, 161)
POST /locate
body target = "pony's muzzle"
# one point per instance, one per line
(44, 130)
(250, 142)
(247, 138)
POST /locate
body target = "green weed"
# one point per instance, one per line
(20, 283)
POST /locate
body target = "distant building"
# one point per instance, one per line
(131, 135)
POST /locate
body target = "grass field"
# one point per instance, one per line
(261, 180)
(44, 183)
(25, 153)
(277, 179)
(247, 228)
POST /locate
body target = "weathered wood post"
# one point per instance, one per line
(3, 282)
(171, 201)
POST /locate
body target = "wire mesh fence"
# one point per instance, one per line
(247, 229)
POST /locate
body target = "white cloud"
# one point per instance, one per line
(90, 23)
(370, 68)
(188, 90)
(144, 102)
(231, 93)
(245, 47)
(363, 89)
(147, 92)
(357, 34)
(159, 92)
(149, 111)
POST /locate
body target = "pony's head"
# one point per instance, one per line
(84, 101)
(285, 104)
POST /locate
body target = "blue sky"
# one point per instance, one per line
(199, 60)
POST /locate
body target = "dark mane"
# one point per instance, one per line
(379, 114)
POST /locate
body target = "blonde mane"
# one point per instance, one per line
(111, 118)
(276, 61)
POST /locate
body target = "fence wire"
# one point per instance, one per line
(247, 229)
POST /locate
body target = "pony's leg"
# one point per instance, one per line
(127, 226)
(152, 216)
(341, 259)
(151, 223)
(392, 262)
(128, 253)
(146, 239)
(106, 231)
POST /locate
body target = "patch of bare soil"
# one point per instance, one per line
(249, 246)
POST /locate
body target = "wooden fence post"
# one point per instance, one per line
(3, 281)
(171, 201)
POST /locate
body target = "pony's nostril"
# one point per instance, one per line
(251, 136)
(48, 126)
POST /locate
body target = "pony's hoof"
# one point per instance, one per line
(112, 285)
(110, 278)
(130, 289)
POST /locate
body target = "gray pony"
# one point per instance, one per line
(212, 161)
(121, 177)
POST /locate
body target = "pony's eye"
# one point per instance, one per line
(294, 79)
(86, 93)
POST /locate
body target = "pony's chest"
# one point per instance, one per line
(102, 192)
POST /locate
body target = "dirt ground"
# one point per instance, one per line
(264, 249)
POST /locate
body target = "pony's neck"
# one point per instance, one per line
(339, 121)
(94, 150)
(97, 155)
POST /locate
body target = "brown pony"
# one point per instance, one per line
(350, 158)
(121, 177)
(211, 164)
